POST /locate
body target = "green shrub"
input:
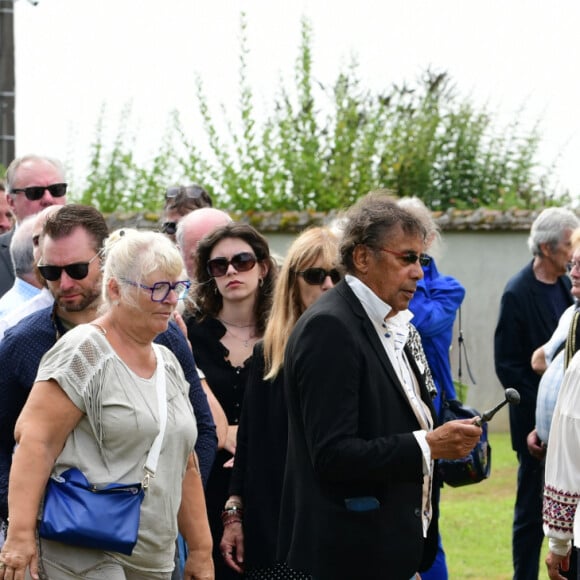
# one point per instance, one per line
(322, 147)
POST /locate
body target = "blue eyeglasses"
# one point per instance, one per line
(160, 290)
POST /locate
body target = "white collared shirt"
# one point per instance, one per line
(393, 333)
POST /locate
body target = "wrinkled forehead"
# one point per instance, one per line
(37, 172)
(78, 246)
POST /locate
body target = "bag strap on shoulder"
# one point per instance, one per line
(153, 456)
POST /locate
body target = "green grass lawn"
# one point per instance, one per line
(476, 520)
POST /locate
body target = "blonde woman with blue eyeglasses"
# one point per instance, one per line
(98, 406)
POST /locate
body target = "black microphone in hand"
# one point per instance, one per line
(511, 396)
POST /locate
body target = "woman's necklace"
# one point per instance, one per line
(236, 325)
(244, 341)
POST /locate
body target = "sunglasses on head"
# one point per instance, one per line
(409, 257)
(76, 271)
(169, 228)
(242, 262)
(36, 192)
(317, 276)
(190, 191)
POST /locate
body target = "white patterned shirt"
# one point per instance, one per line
(393, 333)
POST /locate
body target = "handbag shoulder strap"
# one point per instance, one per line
(153, 456)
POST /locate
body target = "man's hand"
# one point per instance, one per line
(454, 439)
(539, 363)
(555, 564)
(536, 448)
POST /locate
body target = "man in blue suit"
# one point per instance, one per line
(531, 305)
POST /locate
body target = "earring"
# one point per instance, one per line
(115, 303)
(261, 282)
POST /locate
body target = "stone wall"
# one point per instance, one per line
(291, 222)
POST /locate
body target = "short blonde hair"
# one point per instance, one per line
(134, 254)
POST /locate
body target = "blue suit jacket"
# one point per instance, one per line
(6, 268)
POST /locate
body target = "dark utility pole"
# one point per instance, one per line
(7, 138)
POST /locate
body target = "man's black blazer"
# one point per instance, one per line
(350, 441)
(6, 268)
(526, 321)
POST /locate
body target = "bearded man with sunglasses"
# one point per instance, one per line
(71, 243)
(32, 183)
(362, 435)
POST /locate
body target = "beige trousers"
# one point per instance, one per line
(62, 562)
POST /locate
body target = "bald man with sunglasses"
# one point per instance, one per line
(32, 183)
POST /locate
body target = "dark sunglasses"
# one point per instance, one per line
(76, 271)
(169, 228)
(35, 192)
(317, 276)
(242, 262)
(410, 257)
(190, 191)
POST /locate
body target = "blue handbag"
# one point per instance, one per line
(103, 518)
(80, 514)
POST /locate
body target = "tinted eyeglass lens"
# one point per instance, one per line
(242, 262)
(411, 258)
(169, 228)
(36, 192)
(316, 276)
(335, 276)
(191, 191)
(76, 271)
(172, 192)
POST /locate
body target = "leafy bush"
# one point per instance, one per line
(322, 147)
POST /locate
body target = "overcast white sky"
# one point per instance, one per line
(74, 56)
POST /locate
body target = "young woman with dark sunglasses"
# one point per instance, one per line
(250, 514)
(233, 290)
